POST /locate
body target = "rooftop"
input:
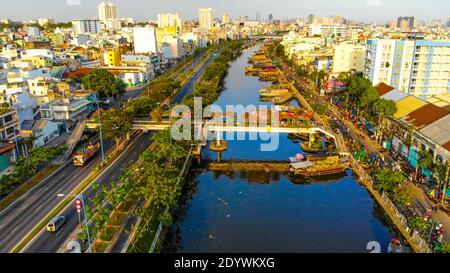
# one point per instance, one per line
(426, 115)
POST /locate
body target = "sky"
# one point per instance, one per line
(379, 11)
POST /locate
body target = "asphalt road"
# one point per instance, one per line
(23, 215)
(46, 242)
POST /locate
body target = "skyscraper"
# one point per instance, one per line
(107, 11)
(170, 20)
(405, 22)
(206, 18)
(226, 19)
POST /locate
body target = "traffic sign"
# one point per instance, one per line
(78, 205)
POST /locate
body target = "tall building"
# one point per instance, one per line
(206, 18)
(86, 26)
(405, 22)
(145, 40)
(270, 18)
(349, 56)
(107, 11)
(226, 19)
(170, 20)
(417, 67)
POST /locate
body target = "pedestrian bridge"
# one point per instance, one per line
(207, 127)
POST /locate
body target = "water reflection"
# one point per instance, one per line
(265, 211)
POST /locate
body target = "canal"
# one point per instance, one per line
(263, 211)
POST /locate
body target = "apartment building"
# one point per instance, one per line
(349, 57)
(86, 26)
(206, 18)
(417, 67)
(328, 30)
(170, 20)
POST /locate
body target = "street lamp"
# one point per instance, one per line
(100, 126)
(80, 196)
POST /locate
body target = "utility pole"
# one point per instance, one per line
(445, 185)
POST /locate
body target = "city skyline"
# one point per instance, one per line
(382, 11)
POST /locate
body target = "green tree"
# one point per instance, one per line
(388, 180)
(115, 123)
(383, 108)
(104, 83)
(418, 223)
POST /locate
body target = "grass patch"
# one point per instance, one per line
(16, 194)
(100, 247)
(143, 244)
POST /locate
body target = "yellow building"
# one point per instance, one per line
(113, 57)
(165, 31)
(38, 61)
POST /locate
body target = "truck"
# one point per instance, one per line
(82, 156)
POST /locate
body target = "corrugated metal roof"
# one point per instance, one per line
(383, 88)
(425, 115)
(407, 105)
(395, 95)
(438, 131)
(447, 146)
(442, 100)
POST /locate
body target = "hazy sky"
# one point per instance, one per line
(143, 10)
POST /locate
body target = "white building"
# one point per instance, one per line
(86, 26)
(107, 11)
(170, 20)
(145, 40)
(349, 56)
(45, 21)
(205, 18)
(226, 19)
(172, 47)
(327, 30)
(417, 67)
(38, 52)
(33, 31)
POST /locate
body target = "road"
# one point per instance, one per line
(46, 242)
(50, 243)
(136, 92)
(23, 215)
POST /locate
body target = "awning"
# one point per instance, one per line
(302, 165)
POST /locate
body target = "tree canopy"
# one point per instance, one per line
(104, 83)
(115, 123)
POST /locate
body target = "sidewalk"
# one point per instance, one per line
(424, 203)
(422, 200)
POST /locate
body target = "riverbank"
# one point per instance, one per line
(258, 211)
(416, 242)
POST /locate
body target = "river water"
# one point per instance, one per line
(263, 212)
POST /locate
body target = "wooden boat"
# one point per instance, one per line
(273, 92)
(321, 172)
(310, 169)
